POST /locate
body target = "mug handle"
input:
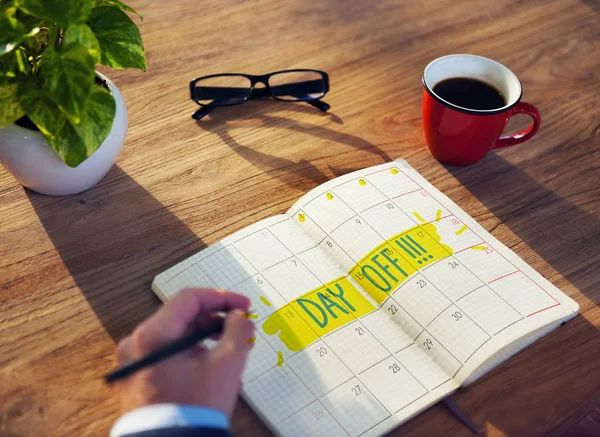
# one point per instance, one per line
(524, 135)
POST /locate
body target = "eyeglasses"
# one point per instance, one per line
(233, 89)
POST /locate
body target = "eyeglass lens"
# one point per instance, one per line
(222, 90)
(297, 85)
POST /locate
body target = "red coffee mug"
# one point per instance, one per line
(462, 136)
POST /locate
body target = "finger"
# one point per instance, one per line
(125, 353)
(236, 341)
(174, 319)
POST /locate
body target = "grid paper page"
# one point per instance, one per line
(463, 305)
(375, 297)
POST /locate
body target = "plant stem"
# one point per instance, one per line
(53, 36)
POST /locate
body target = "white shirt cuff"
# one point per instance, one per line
(161, 416)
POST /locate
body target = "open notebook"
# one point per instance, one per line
(375, 296)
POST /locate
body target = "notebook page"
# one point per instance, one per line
(461, 292)
(313, 363)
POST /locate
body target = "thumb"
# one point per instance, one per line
(237, 332)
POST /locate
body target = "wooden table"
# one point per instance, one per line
(75, 272)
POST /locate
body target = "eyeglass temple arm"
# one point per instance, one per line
(319, 104)
(202, 112)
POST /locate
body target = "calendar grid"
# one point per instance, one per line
(504, 276)
(462, 297)
(439, 385)
(423, 329)
(473, 353)
(329, 347)
(404, 194)
(412, 402)
(300, 379)
(439, 314)
(374, 336)
(338, 386)
(412, 344)
(296, 412)
(333, 351)
(470, 247)
(369, 429)
(394, 291)
(508, 326)
(373, 365)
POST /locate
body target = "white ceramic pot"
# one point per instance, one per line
(28, 157)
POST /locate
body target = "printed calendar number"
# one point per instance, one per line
(389, 205)
(392, 309)
(289, 314)
(321, 351)
(421, 283)
(453, 264)
(360, 275)
(358, 221)
(318, 415)
(359, 330)
(356, 390)
(329, 243)
(428, 343)
(395, 368)
(456, 316)
(420, 234)
(454, 221)
(259, 281)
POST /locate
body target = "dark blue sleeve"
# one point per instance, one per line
(183, 431)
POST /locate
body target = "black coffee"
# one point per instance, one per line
(470, 93)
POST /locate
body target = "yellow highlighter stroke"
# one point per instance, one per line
(479, 247)
(265, 301)
(386, 267)
(317, 313)
(418, 216)
(279, 358)
(461, 230)
(339, 302)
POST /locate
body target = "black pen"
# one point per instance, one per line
(166, 351)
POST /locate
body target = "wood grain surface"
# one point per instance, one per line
(75, 272)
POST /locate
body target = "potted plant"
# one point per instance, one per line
(62, 123)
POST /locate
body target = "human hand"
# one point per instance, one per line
(197, 376)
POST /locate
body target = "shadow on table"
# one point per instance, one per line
(550, 225)
(295, 174)
(114, 239)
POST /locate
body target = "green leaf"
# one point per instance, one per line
(12, 33)
(82, 34)
(96, 120)
(41, 109)
(116, 4)
(7, 8)
(14, 64)
(10, 107)
(73, 143)
(68, 78)
(61, 12)
(119, 38)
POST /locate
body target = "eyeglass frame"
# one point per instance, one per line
(262, 92)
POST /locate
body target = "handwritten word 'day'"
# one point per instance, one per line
(317, 313)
